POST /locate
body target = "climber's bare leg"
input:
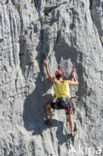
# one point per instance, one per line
(48, 112)
(69, 118)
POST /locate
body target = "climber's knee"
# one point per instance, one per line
(69, 117)
(47, 106)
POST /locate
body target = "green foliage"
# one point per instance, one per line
(17, 6)
(41, 17)
(23, 38)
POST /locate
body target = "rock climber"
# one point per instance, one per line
(62, 92)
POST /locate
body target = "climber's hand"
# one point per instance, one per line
(45, 63)
(73, 73)
(75, 82)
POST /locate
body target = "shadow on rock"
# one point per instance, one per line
(34, 105)
(34, 112)
(59, 134)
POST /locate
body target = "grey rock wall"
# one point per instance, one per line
(69, 34)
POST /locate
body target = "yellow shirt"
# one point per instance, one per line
(62, 89)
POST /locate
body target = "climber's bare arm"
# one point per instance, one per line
(75, 82)
(48, 73)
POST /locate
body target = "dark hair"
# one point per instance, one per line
(58, 76)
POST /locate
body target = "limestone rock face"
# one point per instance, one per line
(69, 34)
(97, 14)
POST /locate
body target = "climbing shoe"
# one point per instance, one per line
(48, 122)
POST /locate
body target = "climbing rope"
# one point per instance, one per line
(42, 35)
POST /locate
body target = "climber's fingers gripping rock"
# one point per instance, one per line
(45, 62)
(73, 73)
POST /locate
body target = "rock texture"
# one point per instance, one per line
(69, 34)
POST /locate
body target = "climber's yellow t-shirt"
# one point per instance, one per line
(62, 89)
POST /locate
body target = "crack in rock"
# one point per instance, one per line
(47, 10)
(92, 17)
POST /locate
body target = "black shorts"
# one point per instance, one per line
(61, 104)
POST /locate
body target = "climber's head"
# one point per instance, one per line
(58, 74)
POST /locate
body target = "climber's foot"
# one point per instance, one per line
(74, 135)
(49, 122)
